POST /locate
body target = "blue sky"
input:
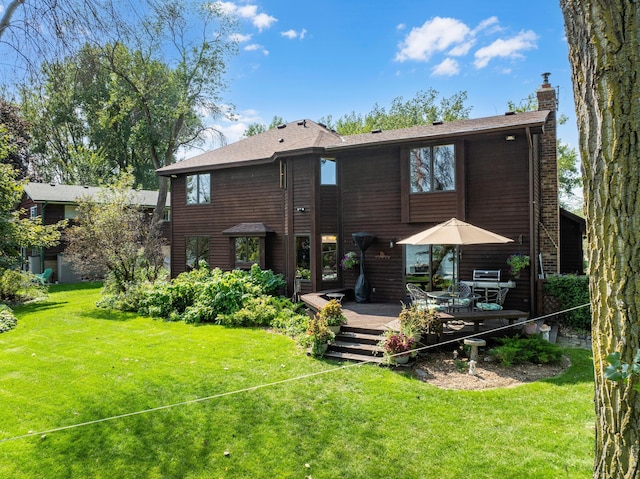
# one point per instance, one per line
(312, 59)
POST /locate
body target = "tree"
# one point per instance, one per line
(114, 235)
(17, 137)
(604, 52)
(257, 128)
(17, 232)
(152, 84)
(419, 110)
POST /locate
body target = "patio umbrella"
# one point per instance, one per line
(455, 232)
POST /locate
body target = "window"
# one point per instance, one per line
(303, 257)
(327, 171)
(199, 189)
(432, 168)
(197, 250)
(33, 212)
(329, 258)
(70, 211)
(248, 250)
(429, 265)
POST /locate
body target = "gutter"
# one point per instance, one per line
(533, 240)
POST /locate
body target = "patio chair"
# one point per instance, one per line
(45, 276)
(493, 299)
(419, 297)
(462, 299)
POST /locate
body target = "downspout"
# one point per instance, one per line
(532, 238)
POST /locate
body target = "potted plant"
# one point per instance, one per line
(349, 261)
(317, 337)
(416, 321)
(517, 262)
(397, 347)
(332, 314)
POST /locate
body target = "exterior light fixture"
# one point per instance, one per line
(510, 137)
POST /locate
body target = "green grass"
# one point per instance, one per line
(69, 363)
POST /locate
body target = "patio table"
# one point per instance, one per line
(451, 301)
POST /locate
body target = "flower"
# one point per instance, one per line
(349, 260)
(517, 262)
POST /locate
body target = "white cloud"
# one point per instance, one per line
(448, 67)
(401, 26)
(255, 47)
(506, 48)
(291, 34)
(486, 23)
(240, 38)
(250, 12)
(462, 49)
(435, 35)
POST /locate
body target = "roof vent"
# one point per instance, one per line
(439, 122)
(509, 113)
(280, 127)
(322, 125)
(379, 130)
(280, 140)
(302, 123)
(52, 184)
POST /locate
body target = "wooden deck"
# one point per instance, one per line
(383, 316)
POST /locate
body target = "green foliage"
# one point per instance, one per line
(533, 349)
(422, 109)
(17, 232)
(257, 128)
(131, 299)
(517, 262)
(19, 286)
(332, 313)
(317, 335)
(619, 371)
(204, 295)
(418, 319)
(571, 290)
(291, 320)
(112, 234)
(266, 310)
(8, 321)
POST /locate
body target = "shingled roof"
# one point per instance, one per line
(69, 194)
(306, 136)
(292, 138)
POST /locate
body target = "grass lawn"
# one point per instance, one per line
(69, 363)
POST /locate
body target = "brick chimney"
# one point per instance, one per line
(549, 214)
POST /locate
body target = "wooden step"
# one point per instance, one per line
(347, 336)
(356, 348)
(353, 357)
(358, 330)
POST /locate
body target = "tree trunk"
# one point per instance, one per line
(604, 50)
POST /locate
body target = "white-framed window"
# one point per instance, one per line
(199, 189)
(327, 171)
(70, 211)
(33, 212)
(432, 168)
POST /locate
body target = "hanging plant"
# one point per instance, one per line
(517, 262)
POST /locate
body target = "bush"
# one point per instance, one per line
(204, 295)
(533, 349)
(266, 310)
(131, 299)
(19, 286)
(571, 290)
(7, 319)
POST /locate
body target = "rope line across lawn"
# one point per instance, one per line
(271, 384)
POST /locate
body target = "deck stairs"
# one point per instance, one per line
(356, 344)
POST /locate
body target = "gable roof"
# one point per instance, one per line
(293, 138)
(69, 194)
(306, 136)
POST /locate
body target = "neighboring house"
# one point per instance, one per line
(53, 202)
(291, 198)
(573, 229)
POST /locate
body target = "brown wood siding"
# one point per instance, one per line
(238, 195)
(498, 200)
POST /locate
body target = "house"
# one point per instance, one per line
(292, 197)
(54, 202)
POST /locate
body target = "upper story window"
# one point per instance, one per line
(432, 168)
(199, 189)
(327, 171)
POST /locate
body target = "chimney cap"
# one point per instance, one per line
(545, 78)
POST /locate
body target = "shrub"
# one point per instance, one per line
(332, 313)
(571, 290)
(204, 295)
(533, 349)
(7, 319)
(131, 299)
(19, 286)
